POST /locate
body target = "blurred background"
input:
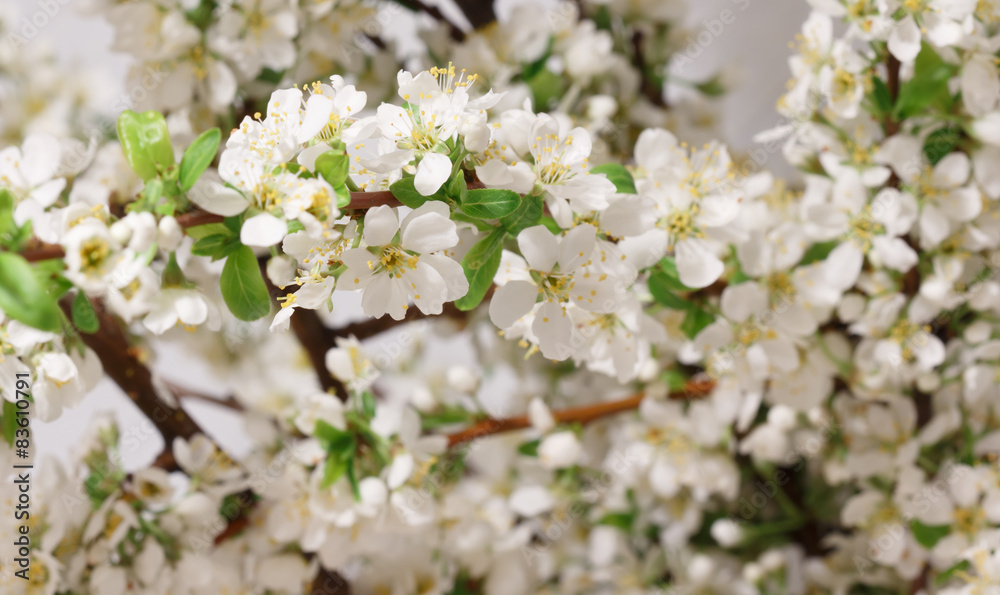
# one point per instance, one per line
(751, 50)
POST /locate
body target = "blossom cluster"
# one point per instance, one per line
(794, 386)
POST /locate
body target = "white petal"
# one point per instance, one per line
(263, 230)
(432, 172)
(904, 41)
(696, 266)
(576, 247)
(511, 302)
(539, 247)
(381, 224)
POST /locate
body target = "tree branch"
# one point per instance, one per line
(694, 389)
(650, 90)
(454, 30)
(120, 361)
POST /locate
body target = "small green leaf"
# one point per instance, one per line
(670, 277)
(9, 421)
(928, 535)
(368, 403)
(481, 265)
(198, 157)
(622, 520)
(333, 166)
(695, 320)
(664, 290)
(22, 296)
(619, 176)
(529, 449)
(243, 288)
(941, 142)
(881, 99)
(84, 315)
(943, 578)
(524, 216)
(7, 225)
(145, 142)
(929, 85)
(818, 252)
(457, 189)
(406, 193)
(491, 203)
(334, 469)
(207, 245)
(209, 229)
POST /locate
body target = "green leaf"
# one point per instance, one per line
(334, 469)
(9, 421)
(695, 320)
(406, 193)
(928, 535)
(674, 380)
(209, 229)
(491, 203)
(664, 289)
(243, 288)
(929, 85)
(207, 245)
(881, 99)
(457, 189)
(546, 87)
(529, 449)
(368, 403)
(333, 166)
(7, 225)
(943, 578)
(619, 176)
(524, 216)
(622, 520)
(84, 315)
(198, 157)
(941, 142)
(22, 296)
(145, 142)
(671, 278)
(818, 252)
(481, 265)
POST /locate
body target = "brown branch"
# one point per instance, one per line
(892, 66)
(121, 362)
(479, 13)
(454, 30)
(228, 402)
(694, 389)
(649, 88)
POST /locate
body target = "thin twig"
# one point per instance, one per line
(694, 389)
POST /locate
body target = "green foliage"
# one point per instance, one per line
(941, 142)
(618, 175)
(928, 535)
(24, 298)
(84, 315)
(491, 203)
(145, 142)
(334, 167)
(621, 520)
(696, 319)
(198, 157)
(529, 449)
(527, 214)
(243, 287)
(480, 265)
(928, 87)
(406, 193)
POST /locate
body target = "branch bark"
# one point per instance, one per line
(121, 363)
(694, 389)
